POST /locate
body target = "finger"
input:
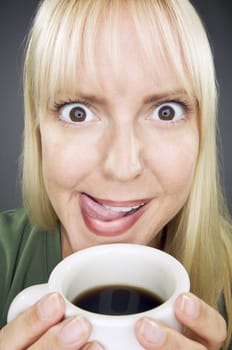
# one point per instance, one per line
(30, 325)
(71, 334)
(152, 335)
(92, 346)
(202, 320)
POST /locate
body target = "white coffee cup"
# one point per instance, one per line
(113, 264)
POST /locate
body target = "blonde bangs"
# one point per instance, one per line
(64, 38)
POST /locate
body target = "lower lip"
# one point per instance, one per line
(112, 228)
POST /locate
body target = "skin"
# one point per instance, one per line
(123, 153)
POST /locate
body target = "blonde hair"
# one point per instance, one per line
(62, 37)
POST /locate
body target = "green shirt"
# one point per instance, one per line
(27, 256)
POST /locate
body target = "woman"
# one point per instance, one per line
(120, 104)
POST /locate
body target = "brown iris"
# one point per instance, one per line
(166, 113)
(77, 114)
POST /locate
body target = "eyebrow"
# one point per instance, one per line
(63, 96)
(152, 98)
(92, 98)
(168, 95)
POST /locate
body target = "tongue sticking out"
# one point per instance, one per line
(97, 210)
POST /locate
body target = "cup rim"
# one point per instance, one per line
(182, 286)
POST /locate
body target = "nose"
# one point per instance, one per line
(123, 159)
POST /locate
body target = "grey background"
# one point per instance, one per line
(15, 18)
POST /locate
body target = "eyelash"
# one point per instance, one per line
(186, 105)
(58, 105)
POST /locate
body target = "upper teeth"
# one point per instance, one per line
(122, 209)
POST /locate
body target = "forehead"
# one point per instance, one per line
(124, 67)
(120, 59)
(112, 49)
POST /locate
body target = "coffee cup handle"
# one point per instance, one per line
(25, 299)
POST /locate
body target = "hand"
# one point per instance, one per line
(42, 327)
(206, 328)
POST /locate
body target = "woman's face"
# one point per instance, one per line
(119, 160)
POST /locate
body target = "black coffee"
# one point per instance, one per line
(117, 300)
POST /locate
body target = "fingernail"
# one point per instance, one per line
(97, 347)
(93, 346)
(49, 305)
(74, 330)
(190, 306)
(152, 332)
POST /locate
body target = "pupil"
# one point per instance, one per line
(77, 114)
(166, 113)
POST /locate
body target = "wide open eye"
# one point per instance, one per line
(169, 112)
(75, 113)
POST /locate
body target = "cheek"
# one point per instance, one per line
(174, 163)
(66, 162)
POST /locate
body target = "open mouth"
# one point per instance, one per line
(109, 217)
